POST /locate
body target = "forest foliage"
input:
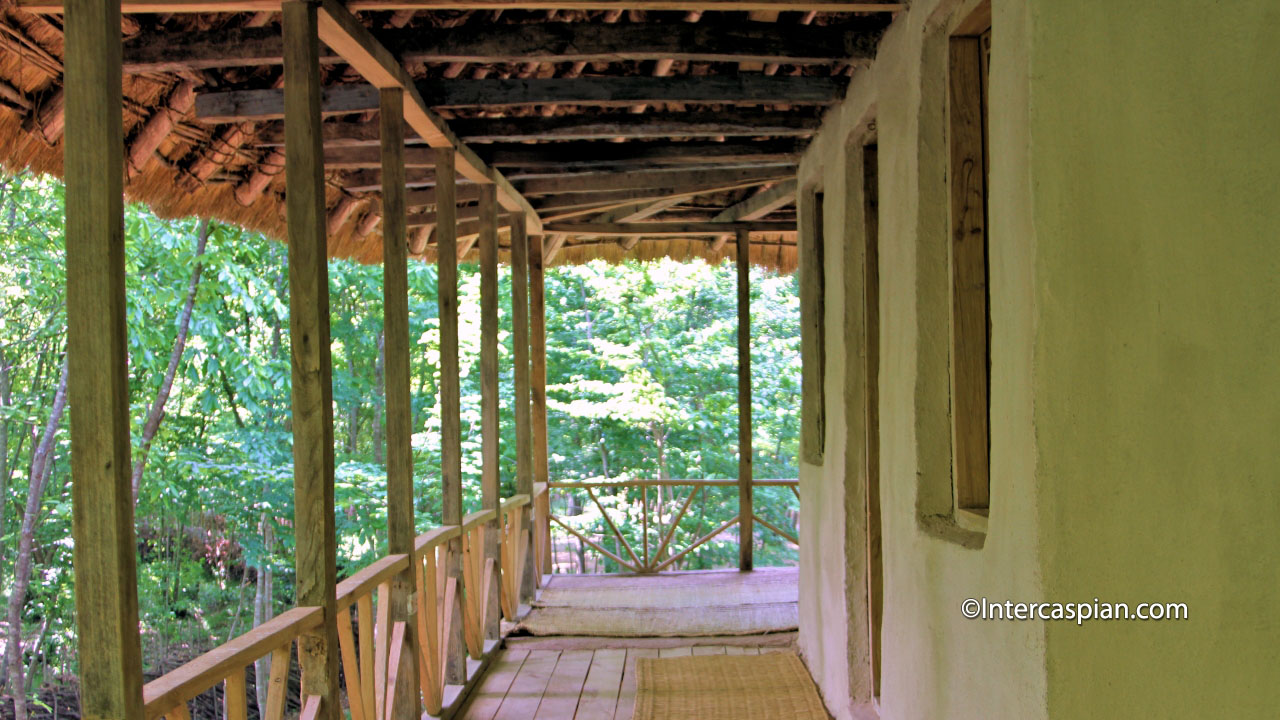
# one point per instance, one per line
(641, 366)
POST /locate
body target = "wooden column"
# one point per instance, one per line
(746, 510)
(315, 556)
(450, 391)
(538, 391)
(401, 528)
(98, 384)
(523, 415)
(490, 490)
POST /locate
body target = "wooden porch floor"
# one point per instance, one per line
(580, 676)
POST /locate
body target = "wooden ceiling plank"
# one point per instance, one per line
(759, 42)
(240, 105)
(55, 7)
(344, 33)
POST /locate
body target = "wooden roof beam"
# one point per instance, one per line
(586, 154)
(583, 154)
(763, 42)
(675, 229)
(343, 32)
(235, 6)
(597, 183)
(241, 105)
(738, 122)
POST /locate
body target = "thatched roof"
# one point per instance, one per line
(593, 115)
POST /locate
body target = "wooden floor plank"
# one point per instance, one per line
(560, 700)
(580, 642)
(627, 693)
(488, 696)
(525, 694)
(709, 650)
(676, 652)
(600, 692)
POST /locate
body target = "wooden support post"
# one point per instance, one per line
(450, 396)
(401, 528)
(745, 500)
(520, 352)
(490, 482)
(316, 552)
(538, 392)
(110, 653)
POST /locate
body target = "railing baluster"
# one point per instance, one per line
(671, 530)
(280, 660)
(597, 547)
(613, 527)
(364, 611)
(394, 651)
(381, 638)
(644, 523)
(311, 707)
(234, 698)
(446, 619)
(700, 541)
(429, 628)
(350, 665)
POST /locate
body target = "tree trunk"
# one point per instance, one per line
(6, 399)
(41, 465)
(262, 612)
(156, 414)
(380, 403)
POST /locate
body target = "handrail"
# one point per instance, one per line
(184, 683)
(516, 501)
(479, 517)
(370, 577)
(434, 537)
(773, 482)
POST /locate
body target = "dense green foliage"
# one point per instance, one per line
(641, 383)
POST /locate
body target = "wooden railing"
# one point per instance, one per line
(643, 558)
(168, 695)
(371, 646)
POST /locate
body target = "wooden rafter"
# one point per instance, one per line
(239, 105)
(231, 6)
(343, 32)
(539, 43)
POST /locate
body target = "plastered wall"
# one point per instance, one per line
(1156, 169)
(1134, 270)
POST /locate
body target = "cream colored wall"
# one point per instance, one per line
(936, 664)
(1135, 300)
(1156, 129)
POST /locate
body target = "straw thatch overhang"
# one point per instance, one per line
(608, 120)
